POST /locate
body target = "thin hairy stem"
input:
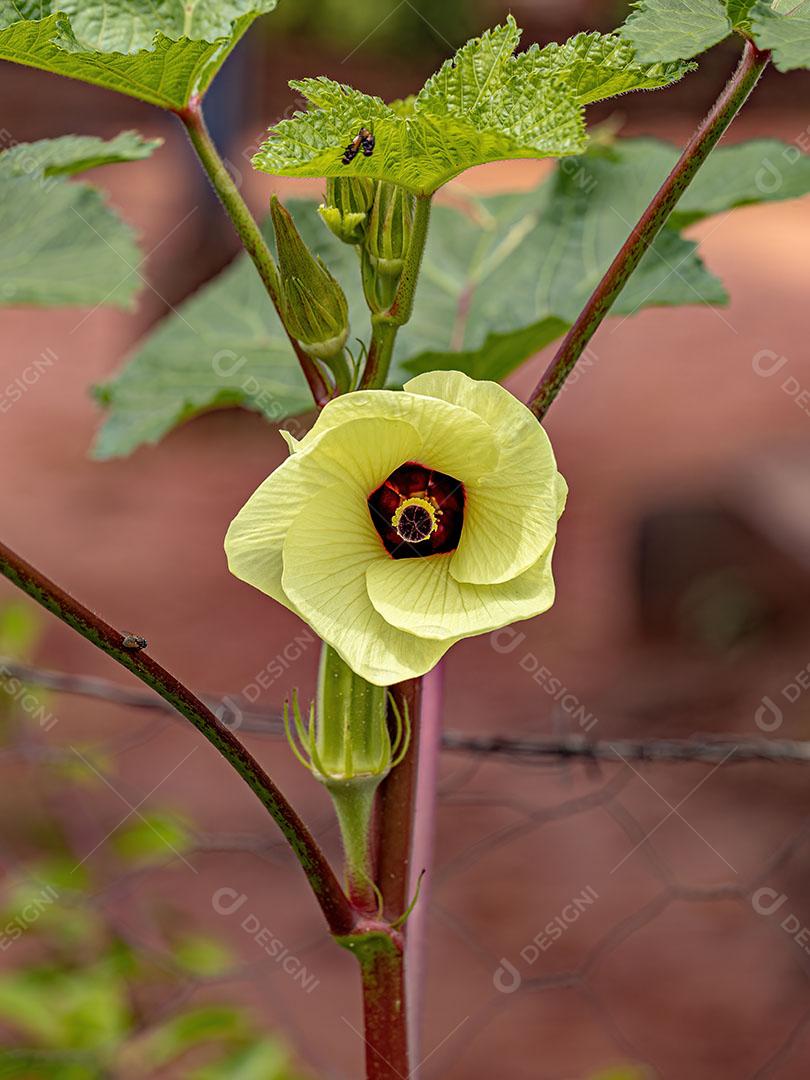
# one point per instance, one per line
(750, 68)
(336, 907)
(380, 351)
(248, 230)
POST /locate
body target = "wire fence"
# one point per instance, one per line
(588, 903)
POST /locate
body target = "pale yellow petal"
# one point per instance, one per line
(510, 516)
(364, 452)
(328, 550)
(421, 596)
(454, 440)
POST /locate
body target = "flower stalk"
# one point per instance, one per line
(347, 746)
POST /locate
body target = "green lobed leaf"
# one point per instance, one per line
(71, 154)
(12, 11)
(129, 26)
(784, 28)
(761, 170)
(599, 66)
(497, 285)
(661, 30)
(225, 347)
(484, 104)
(61, 245)
(162, 53)
(538, 256)
(59, 242)
(738, 14)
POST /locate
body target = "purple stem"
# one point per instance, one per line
(422, 845)
(742, 82)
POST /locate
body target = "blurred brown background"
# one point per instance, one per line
(682, 603)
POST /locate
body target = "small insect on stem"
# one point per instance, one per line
(364, 141)
(134, 642)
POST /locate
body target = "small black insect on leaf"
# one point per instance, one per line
(364, 141)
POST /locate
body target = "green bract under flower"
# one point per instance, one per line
(405, 521)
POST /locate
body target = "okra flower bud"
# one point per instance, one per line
(388, 237)
(345, 212)
(313, 305)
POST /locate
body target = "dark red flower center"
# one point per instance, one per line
(418, 511)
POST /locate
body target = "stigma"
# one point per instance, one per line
(416, 519)
(418, 511)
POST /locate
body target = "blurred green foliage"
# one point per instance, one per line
(81, 997)
(19, 630)
(624, 1072)
(390, 26)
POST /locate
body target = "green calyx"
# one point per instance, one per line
(347, 205)
(347, 745)
(346, 741)
(388, 238)
(313, 305)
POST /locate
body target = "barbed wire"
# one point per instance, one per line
(702, 749)
(511, 814)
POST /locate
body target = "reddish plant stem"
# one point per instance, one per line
(750, 68)
(338, 912)
(380, 952)
(248, 230)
